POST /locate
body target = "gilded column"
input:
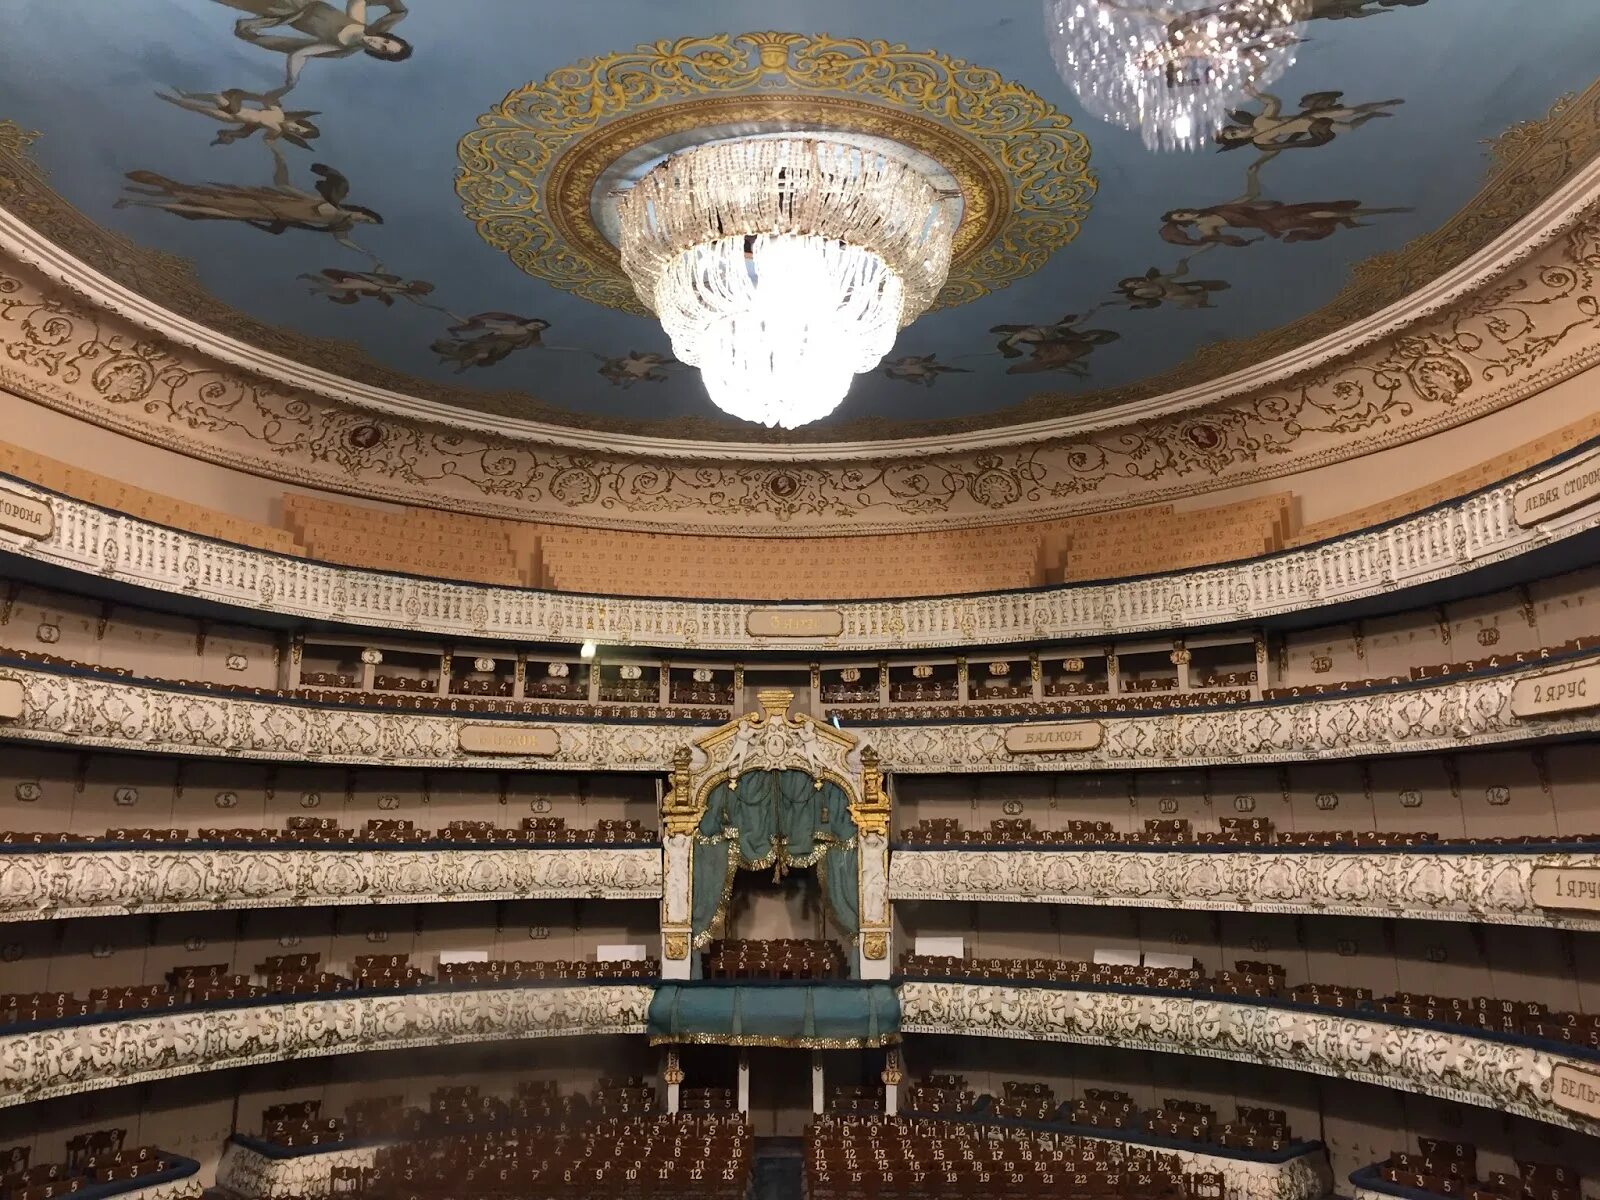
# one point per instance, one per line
(679, 818)
(871, 816)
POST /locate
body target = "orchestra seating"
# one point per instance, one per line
(457, 1109)
(146, 505)
(1254, 1129)
(779, 958)
(700, 1155)
(1444, 1168)
(862, 1158)
(99, 1160)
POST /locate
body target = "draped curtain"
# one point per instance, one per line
(773, 817)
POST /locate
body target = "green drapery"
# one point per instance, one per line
(820, 1016)
(774, 817)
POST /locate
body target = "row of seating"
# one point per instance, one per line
(695, 1155)
(290, 975)
(1242, 832)
(321, 832)
(1254, 1129)
(1435, 671)
(1118, 705)
(1446, 1168)
(454, 1109)
(861, 1158)
(777, 958)
(100, 1158)
(1269, 981)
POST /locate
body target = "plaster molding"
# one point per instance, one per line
(1346, 1044)
(62, 1060)
(60, 883)
(85, 711)
(1553, 217)
(1490, 889)
(1439, 543)
(248, 1173)
(1532, 327)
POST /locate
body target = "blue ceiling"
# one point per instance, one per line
(1437, 79)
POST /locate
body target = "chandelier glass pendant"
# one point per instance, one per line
(782, 267)
(1171, 70)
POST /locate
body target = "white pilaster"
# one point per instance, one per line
(819, 1092)
(744, 1082)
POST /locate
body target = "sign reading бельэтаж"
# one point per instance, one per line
(10, 699)
(1055, 738)
(539, 741)
(1571, 487)
(1575, 1090)
(1557, 692)
(26, 515)
(794, 622)
(1566, 887)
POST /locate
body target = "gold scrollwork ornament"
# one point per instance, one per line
(875, 945)
(676, 945)
(530, 167)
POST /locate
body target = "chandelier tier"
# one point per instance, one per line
(1172, 70)
(782, 267)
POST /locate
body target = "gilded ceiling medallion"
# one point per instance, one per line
(529, 171)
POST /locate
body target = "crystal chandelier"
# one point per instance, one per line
(1171, 70)
(784, 266)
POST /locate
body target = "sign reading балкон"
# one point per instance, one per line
(1056, 737)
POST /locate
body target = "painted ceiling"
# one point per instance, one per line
(425, 207)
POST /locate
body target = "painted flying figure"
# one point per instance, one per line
(307, 29)
(244, 114)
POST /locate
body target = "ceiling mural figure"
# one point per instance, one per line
(1060, 346)
(244, 114)
(473, 250)
(486, 338)
(307, 29)
(350, 287)
(274, 209)
(920, 368)
(1306, 222)
(1341, 10)
(1157, 287)
(636, 367)
(1322, 117)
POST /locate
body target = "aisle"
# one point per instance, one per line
(778, 1172)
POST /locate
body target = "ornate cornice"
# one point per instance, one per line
(64, 1059)
(87, 711)
(1411, 1057)
(72, 345)
(1440, 543)
(54, 884)
(1492, 889)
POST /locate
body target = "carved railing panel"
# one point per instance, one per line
(1468, 711)
(1494, 889)
(87, 1055)
(1412, 1057)
(60, 883)
(1437, 544)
